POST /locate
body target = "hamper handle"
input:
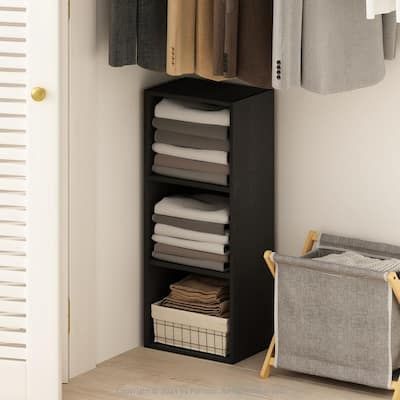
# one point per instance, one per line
(312, 237)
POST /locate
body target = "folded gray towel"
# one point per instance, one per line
(188, 253)
(191, 128)
(217, 179)
(191, 141)
(206, 264)
(191, 224)
(163, 160)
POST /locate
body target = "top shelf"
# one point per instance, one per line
(204, 91)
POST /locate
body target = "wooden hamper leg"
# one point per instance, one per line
(266, 368)
(396, 388)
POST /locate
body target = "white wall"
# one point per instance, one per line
(338, 163)
(106, 195)
(119, 198)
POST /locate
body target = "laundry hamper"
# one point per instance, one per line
(333, 320)
(190, 330)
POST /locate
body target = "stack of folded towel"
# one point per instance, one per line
(201, 295)
(191, 141)
(192, 231)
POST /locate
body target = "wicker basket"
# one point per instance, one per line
(190, 330)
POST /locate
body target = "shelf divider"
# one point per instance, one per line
(184, 182)
(187, 268)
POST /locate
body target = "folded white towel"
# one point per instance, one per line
(173, 231)
(172, 109)
(202, 207)
(212, 156)
(191, 244)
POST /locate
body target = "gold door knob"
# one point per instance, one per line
(38, 93)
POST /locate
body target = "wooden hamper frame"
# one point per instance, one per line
(312, 238)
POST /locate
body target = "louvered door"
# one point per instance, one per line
(29, 179)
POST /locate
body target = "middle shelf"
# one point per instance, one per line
(188, 183)
(186, 268)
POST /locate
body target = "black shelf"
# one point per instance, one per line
(188, 352)
(189, 269)
(187, 183)
(252, 213)
(203, 91)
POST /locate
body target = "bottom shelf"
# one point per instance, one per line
(191, 353)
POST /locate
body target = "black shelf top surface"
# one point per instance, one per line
(188, 352)
(202, 90)
(184, 182)
(189, 269)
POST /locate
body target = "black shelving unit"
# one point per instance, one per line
(251, 197)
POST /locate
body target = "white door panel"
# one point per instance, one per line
(13, 336)
(13, 371)
(29, 200)
(9, 289)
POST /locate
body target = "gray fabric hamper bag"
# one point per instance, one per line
(337, 321)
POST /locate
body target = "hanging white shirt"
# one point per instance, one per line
(377, 7)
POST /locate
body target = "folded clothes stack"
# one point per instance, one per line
(199, 294)
(191, 141)
(192, 230)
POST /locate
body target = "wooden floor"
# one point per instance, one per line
(144, 374)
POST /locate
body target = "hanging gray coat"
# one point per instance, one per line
(122, 46)
(152, 34)
(329, 46)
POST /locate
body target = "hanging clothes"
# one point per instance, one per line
(287, 36)
(377, 7)
(231, 38)
(181, 37)
(219, 36)
(342, 50)
(205, 40)
(255, 42)
(333, 45)
(152, 34)
(226, 20)
(122, 48)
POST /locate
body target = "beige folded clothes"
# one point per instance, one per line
(218, 132)
(209, 300)
(220, 310)
(181, 252)
(185, 223)
(206, 177)
(162, 160)
(202, 285)
(192, 141)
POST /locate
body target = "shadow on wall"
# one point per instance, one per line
(337, 163)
